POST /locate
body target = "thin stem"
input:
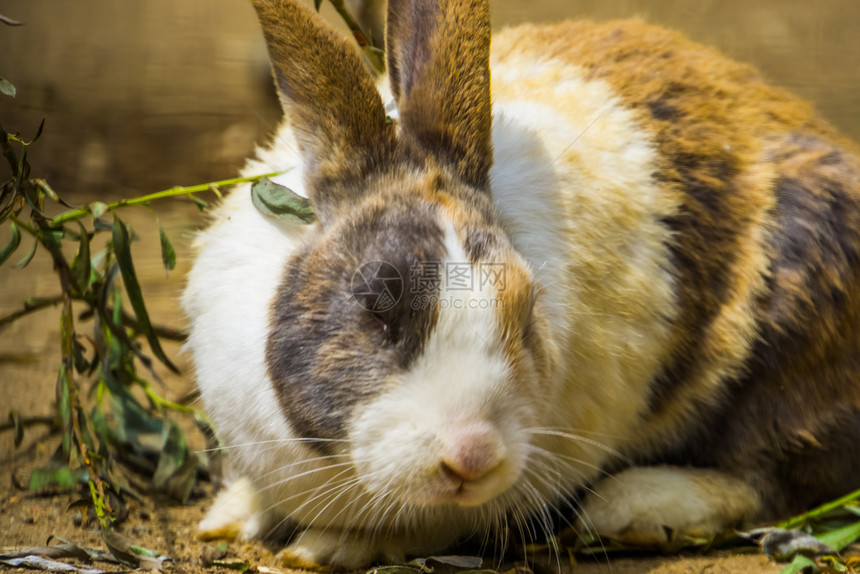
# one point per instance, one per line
(823, 509)
(31, 306)
(160, 401)
(24, 226)
(82, 212)
(29, 421)
(373, 53)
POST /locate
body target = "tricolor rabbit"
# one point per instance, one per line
(595, 259)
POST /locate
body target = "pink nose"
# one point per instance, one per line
(470, 452)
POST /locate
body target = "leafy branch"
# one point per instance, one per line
(105, 368)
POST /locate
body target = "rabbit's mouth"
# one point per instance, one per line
(476, 493)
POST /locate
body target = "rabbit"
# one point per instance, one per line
(622, 268)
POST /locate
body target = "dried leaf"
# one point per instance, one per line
(9, 21)
(46, 188)
(39, 563)
(395, 570)
(124, 550)
(18, 425)
(783, 545)
(240, 566)
(97, 208)
(470, 562)
(281, 202)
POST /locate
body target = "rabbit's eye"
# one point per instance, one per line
(387, 333)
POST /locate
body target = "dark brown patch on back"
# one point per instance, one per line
(791, 424)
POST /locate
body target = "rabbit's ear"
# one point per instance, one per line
(330, 98)
(439, 68)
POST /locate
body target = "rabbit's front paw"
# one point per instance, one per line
(319, 548)
(238, 513)
(660, 506)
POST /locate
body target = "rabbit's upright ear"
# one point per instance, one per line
(438, 64)
(330, 98)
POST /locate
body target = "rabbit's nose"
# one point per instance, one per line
(470, 452)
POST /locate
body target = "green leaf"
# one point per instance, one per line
(64, 406)
(12, 245)
(168, 255)
(801, 564)
(6, 87)
(79, 358)
(177, 467)
(122, 250)
(134, 426)
(201, 205)
(317, 4)
(38, 131)
(62, 477)
(173, 455)
(841, 537)
(28, 257)
(81, 264)
(281, 202)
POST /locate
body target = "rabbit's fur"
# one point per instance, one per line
(679, 306)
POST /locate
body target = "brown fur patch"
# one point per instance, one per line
(438, 62)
